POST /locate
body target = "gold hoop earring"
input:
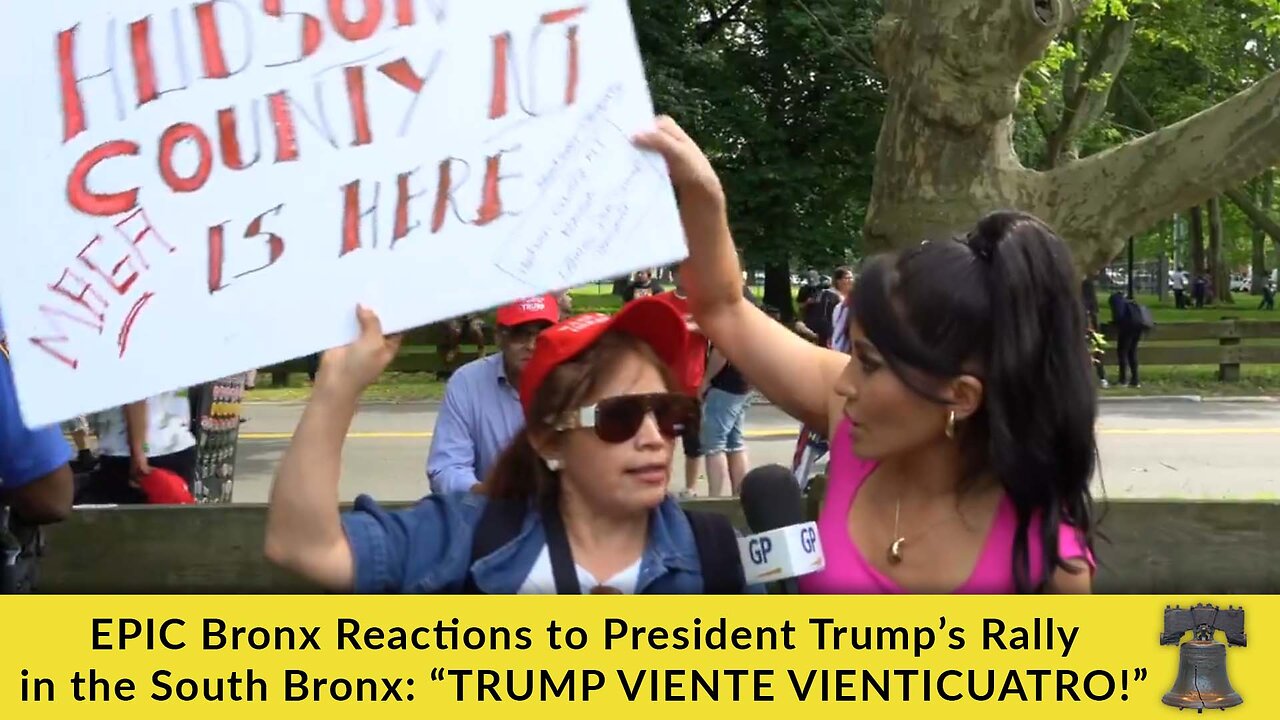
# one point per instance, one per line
(951, 424)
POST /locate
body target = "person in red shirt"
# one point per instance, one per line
(691, 372)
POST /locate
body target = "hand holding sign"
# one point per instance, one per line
(348, 370)
(690, 169)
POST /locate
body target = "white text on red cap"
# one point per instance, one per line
(582, 322)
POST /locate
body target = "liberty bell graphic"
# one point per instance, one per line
(1202, 661)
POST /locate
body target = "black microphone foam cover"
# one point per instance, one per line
(771, 499)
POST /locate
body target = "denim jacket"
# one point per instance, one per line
(427, 549)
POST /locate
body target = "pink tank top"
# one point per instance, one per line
(848, 572)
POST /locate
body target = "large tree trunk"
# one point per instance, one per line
(1269, 202)
(1221, 273)
(1258, 264)
(1198, 265)
(777, 292)
(945, 155)
(777, 279)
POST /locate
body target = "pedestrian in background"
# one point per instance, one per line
(1127, 319)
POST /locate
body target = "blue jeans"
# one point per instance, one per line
(723, 415)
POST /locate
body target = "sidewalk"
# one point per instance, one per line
(760, 401)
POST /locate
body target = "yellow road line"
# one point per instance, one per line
(350, 436)
(421, 435)
(791, 434)
(1190, 431)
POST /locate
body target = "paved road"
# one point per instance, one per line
(1149, 449)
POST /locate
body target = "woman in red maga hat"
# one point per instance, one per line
(577, 503)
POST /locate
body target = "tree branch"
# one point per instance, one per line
(1071, 69)
(1040, 117)
(708, 28)
(1085, 105)
(1125, 190)
(1076, 10)
(864, 64)
(1144, 118)
(1256, 215)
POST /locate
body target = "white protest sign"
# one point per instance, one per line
(195, 189)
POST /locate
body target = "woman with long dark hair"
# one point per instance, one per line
(577, 503)
(962, 426)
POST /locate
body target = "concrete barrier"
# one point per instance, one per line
(1151, 546)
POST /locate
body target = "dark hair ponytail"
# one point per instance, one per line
(1040, 397)
(1002, 303)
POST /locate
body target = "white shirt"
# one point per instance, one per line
(168, 427)
(542, 581)
(840, 328)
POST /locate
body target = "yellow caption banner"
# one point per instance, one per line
(607, 656)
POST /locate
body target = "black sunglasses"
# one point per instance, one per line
(618, 419)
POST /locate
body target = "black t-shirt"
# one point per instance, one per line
(730, 380)
(638, 290)
(818, 304)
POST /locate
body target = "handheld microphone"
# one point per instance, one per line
(784, 545)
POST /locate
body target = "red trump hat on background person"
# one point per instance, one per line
(541, 308)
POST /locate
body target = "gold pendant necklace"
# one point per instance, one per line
(895, 547)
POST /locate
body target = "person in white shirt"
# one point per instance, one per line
(135, 439)
(1179, 284)
(842, 283)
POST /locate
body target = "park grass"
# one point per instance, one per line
(595, 298)
(391, 387)
(1245, 308)
(1199, 380)
(600, 298)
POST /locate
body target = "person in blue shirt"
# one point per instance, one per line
(35, 471)
(584, 486)
(481, 409)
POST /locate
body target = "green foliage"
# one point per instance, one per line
(782, 102)
(1268, 19)
(784, 96)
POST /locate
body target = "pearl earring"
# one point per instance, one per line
(552, 464)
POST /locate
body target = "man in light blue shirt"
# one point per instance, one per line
(481, 412)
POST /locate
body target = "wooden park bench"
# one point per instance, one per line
(1167, 547)
(431, 349)
(1237, 343)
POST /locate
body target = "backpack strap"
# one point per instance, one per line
(717, 542)
(563, 568)
(499, 524)
(722, 572)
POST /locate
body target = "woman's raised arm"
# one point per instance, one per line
(794, 374)
(304, 529)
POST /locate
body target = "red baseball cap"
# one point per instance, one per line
(650, 319)
(163, 487)
(542, 308)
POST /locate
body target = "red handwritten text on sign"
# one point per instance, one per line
(145, 68)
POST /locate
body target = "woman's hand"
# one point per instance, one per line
(352, 368)
(690, 169)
